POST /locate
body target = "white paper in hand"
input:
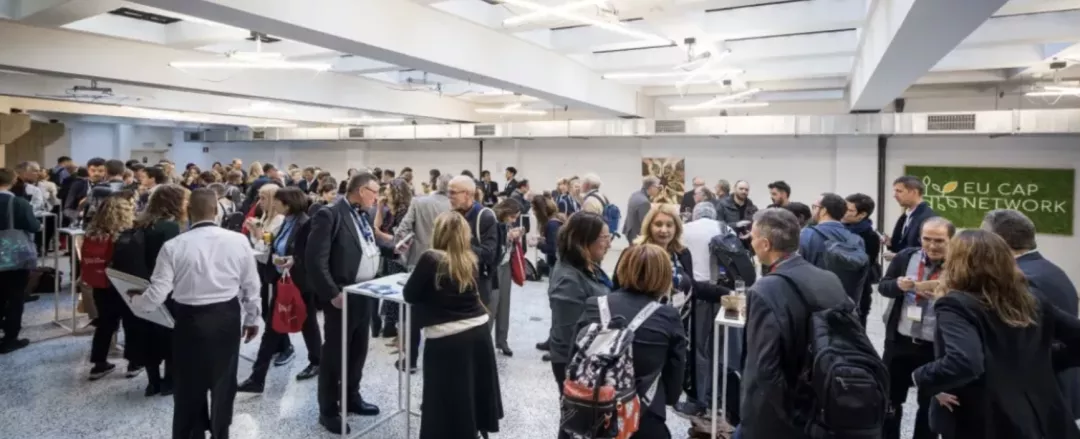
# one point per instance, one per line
(124, 282)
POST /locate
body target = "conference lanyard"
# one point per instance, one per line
(362, 227)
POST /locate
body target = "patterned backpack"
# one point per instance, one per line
(600, 396)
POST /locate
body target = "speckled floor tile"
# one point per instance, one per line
(44, 392)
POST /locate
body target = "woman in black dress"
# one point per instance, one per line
(461, 383)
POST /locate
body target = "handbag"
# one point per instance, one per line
(17, 250)
(290, 312)
(517, 264)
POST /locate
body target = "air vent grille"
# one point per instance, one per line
(258, 135)
(144, 16)
(356, 133)
(484, 130)
(193, 136)
(950, 122)
(670, 127)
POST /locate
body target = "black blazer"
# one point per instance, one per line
(491, 193)
(913, 238)
(1000, 373)
(333, 256)
(295, 245)
(890, 288)
(486, 246)
(511, 187)
(1049, 281)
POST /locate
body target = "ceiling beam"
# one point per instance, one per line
(80, 55)
(408, 34)
(903, 39)
(56, 13)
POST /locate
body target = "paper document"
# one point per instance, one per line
(124, 282)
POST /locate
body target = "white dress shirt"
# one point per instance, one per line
(696, 236)
(369, 261)
(203, 266)
(37, 199)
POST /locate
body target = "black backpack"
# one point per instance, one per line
(735, 262)
(847, 259)
(129, 253)
(846, 379)
(233, 221)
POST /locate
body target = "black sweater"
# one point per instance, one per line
(443, 303)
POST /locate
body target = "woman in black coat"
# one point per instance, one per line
(994, 373)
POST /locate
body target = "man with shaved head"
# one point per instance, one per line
(688, 198)
(484, 228)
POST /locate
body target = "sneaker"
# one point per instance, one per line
(284, 358)
(100, 370)
(133, 371)
(689, 409)
(309, 372)
(543, 346)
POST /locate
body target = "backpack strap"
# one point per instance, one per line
(479, 216)
(11, 213)
(643, 315)
(605, 311)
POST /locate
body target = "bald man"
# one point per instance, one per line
(688, 198)
(485, 236)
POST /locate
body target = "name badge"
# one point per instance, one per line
(914, 313)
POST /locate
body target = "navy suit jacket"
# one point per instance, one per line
(1050, 283)
(913, 236)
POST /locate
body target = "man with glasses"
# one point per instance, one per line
(639, 205)
(911, 281)
(345, 253)
(484, 227)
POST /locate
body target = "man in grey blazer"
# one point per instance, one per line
(638, 206)
(420, 220)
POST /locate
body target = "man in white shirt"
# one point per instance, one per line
(344, 251)
(212, 276)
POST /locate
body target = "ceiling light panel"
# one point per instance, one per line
(616, 27)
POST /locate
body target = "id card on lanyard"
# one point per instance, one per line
(915, 313)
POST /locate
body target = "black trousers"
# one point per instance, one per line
(112, 312)
(902, 356)
(269, 276)
(12, 301)
(206, 349)
(414, 339)
(357, 337)
(311, 331)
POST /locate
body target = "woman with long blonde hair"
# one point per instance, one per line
(254, 172)
(263, 229)
(115, 215)
(461, 383)
(994, 373)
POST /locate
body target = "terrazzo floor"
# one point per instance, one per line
(44, 391)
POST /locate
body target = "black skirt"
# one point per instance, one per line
(461, 386)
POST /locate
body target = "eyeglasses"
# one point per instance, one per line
(374, 191)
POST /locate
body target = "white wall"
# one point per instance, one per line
(1015, 152)
(84, 141)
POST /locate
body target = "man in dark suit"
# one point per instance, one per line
(908, 191)
(511, 182)
(491, 189)
(688, 201)
(308, 184)
(1048, 281)
(345, 253)
(485, 243)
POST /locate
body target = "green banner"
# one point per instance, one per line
(965, 194)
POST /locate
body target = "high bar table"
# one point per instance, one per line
(394, 284)
(727, 322)
(72, 233)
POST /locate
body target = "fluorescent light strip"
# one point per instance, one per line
(1052, 93)
(1062, 89)
(367, 120)
(273, 124)
(568, 7)
(718, 106)
(667, 74)
(511, 111)
(619, 28)
(255, 65)
(262, 107)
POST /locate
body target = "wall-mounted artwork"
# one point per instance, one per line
(672, 174)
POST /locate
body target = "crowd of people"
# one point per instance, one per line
(978, 321)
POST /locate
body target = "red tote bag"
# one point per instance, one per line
(289, 309)
(517, 264)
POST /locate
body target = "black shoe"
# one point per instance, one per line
(546, 357)
(543, 346)
(250, 386)
(286, 357)
(133, 371)
(309, 372)
(152, 389)
(389, 332)
(166, 388)
(9, 346)
(333, 424)
(100, 370)
(397, 365)
(506, 351)
(689, 409)
(359, 407)
(31, 298)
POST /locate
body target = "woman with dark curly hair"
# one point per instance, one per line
(388, 216)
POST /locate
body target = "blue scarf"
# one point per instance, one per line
(860, 227)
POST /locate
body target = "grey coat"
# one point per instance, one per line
(568, 289)
(636, 209)
(420, 220)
